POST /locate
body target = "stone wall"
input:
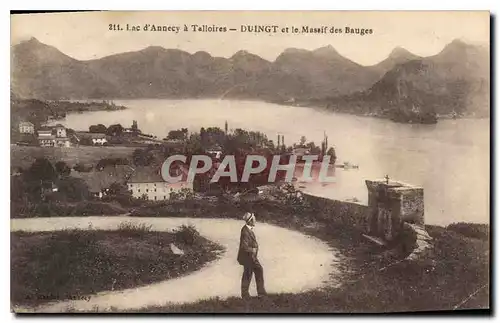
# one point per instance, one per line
(348, 213)
(390, 205)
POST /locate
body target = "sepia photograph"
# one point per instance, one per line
(250, 162)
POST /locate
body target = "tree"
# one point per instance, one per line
(74, 189)
(80, 167)
(134, 125)
(142, 157)
(115, 130)
(111, 162)
(86, 141)
(303, 140)
(332, 154)
(179, 134)
(41, 170)
(194, 145)
(117, 188)
(182, 194)
(62, 168)
(100, 128)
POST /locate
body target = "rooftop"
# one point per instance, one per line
(150, 174)
(146, 174)
(46, 137)
(92, 135)
(100, 180)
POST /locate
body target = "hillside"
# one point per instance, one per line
(42, 71)
(455, 82)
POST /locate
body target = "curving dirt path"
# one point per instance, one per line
(292, 262)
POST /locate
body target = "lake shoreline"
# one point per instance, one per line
(431, 156)
(310, 105)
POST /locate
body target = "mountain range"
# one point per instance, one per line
(457, 77)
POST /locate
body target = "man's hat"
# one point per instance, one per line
(248, 216)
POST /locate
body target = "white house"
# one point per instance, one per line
(53, 137)
(301, 151)
(215, 151)
(97, 139)
(60, 131)
(26, 127)
(62, 142)
(99, 181)
(45, 138)
(148, 181)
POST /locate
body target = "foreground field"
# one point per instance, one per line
(455, 277)
(74, 264)
(280, 249)
(24, 156)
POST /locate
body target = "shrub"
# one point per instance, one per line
(182, 194)
(123, 199)
(186, 234)
(129, 226)
(80, 167)
(471, 230)
(96, 208)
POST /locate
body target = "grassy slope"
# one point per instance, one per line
(457, 267)
(24, 156)
(374, 279)
(74, 263)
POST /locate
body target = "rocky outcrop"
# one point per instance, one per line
(422, 241)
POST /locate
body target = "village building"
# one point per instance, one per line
(62, 142)
(47, 188)
(53, 137)
(26, 127)
(60, 131)
(99, 182)
(46, 138)
(301, 151)
(97, 139)
(148, 182)
(131, 131)
(16, 171)
(215, 151)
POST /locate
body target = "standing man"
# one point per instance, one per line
(247, 257)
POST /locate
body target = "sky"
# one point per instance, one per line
(86, 35)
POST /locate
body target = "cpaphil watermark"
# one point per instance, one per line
(253, 165)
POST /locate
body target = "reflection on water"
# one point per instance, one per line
(449, 159)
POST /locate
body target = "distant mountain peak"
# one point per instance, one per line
(202, 53)
(458, 48)
(326, 51)
(458, 41)
(293, 50)
(246, 56)
(400, 52)
(33, 40)
(154, 49)
(457, 45)
(241, 53)
(35, 48)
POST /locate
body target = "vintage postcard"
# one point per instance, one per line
(250, 162)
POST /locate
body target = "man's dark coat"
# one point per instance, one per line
(247, 242)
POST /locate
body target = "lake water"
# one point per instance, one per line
(450, 160)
